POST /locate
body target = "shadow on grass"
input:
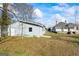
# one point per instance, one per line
(61, 36)
(75, 37)
(4, 54)
(71, 38)
(3, 40)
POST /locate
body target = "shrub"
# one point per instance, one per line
(68, 32)
(73, 32)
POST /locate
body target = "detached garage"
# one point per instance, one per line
(26, 28)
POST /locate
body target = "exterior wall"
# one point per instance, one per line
(72, 30)
(36, 31)
(64, 30)
(60, 30)
(16, 30)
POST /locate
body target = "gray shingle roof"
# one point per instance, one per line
(64, 25)
(60, 25)
(70, 25)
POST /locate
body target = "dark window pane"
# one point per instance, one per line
(30, 29)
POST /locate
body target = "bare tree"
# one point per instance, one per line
(23, 12)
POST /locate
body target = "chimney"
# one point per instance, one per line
(65, 21)
(56, 22)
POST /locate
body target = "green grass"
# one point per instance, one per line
(59, 45)
(76, 36)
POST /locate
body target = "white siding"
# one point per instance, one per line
(58, 30)
(65, 30)
(16, 30)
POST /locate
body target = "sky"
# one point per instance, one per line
(49, 13)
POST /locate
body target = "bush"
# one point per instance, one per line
(68, 32)
(49, 29)
(54, 32)
(73, 32)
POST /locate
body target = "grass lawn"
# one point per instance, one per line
(57, 45)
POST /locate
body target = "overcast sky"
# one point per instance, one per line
(50, 12)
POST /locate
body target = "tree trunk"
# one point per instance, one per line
(4, 26)
(4, 31)
(68, 29)
(62, 29)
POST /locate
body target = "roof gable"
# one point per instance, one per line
(60, 25)
(64, 25)
(31, 23)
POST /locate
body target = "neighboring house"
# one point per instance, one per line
(60, 27)
(27, 28)
(77, 28)
(64, 27)
(71, 27)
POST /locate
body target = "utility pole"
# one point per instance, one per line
(65, 21)
(75, 17)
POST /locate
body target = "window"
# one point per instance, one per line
(30, 29)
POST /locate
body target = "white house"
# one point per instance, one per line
(63, 27)
(27, 28)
